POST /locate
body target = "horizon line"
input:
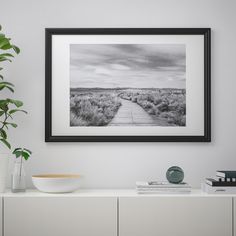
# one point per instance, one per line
(123, 88)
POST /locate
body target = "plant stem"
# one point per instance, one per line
(5, 119)
(20, 165)
(20, 171)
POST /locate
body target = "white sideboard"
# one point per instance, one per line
(234, 216)
(1, 219)
(117, 213)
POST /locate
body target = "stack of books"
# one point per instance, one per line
(225, 182)
(156, 187)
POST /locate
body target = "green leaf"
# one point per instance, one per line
(10, 88)
(2, 101)
(6, 55)
(4, 108)
(16, 110)
(4, 43)
(3, 85)
(17, 103)
(27, 150)
(4, 105)
(12, 124)
(4, 59)
(17, 153)
(1, 113)
(16, 149)
(6, 143)
(8, 83)
(1, 76)
(16, 49)
(3, 134)
(6, 47)
(25, 155)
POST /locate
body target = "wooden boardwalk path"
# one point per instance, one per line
(131, 114)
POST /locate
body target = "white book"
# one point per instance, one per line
(162, 189)
(167, 187)
(164, 192)
(218, 190)
(158, 184)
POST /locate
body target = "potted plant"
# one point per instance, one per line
(8, 106)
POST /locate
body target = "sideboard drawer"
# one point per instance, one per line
(60, 216)
(1, 220)
(178, 216)
(234, 210)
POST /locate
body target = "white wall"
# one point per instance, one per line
(119, 165)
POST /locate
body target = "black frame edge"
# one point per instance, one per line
(48, 85)
(128, 31)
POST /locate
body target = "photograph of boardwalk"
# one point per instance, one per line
(127, 85)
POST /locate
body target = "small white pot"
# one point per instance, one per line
(3, 171)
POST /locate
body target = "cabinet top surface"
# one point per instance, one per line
(110, 193)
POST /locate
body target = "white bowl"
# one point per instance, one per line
(56, 183)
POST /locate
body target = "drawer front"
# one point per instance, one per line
(177, 216)
(60, 216)
(1, 220)
(234, 210)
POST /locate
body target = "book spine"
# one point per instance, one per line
(220, 174)
(219, 190)
(229, 183)
(226, 174)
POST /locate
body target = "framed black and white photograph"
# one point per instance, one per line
(135, 85)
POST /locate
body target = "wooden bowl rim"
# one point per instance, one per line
(54, 176)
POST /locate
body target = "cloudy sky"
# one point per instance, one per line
(127, 65)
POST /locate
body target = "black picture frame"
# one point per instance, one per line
(206, 32)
